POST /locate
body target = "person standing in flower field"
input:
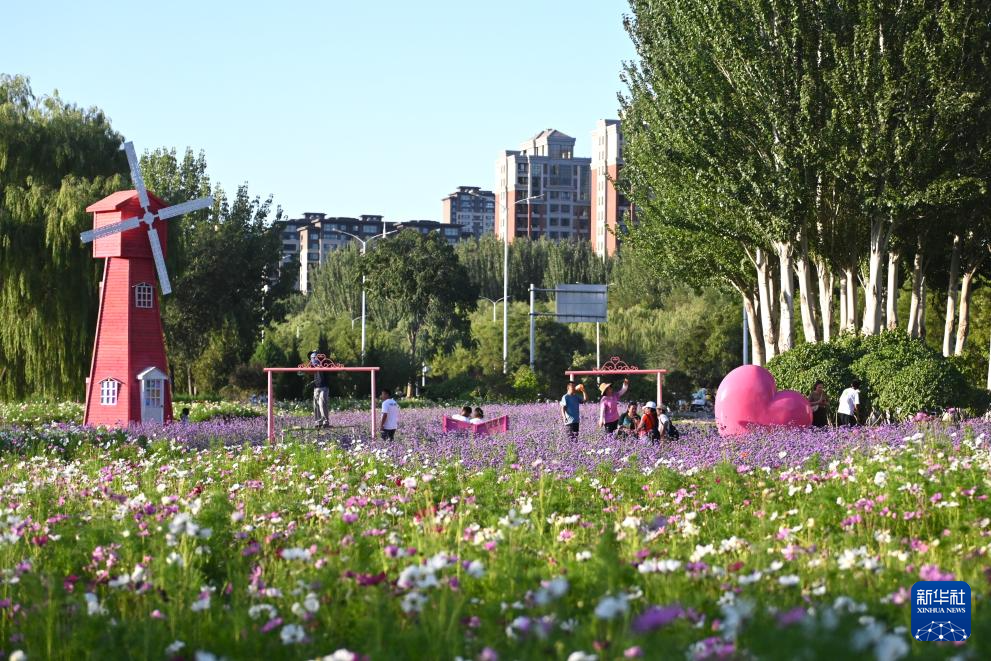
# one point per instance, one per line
(609, 405)
(570, 411)
(321, 393)
(819, 401)
(849, 405)
(390, 415)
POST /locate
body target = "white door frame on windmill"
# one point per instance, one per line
(152, 382)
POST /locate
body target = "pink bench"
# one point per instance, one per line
(487, 428)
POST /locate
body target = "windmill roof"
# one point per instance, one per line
(116, 201)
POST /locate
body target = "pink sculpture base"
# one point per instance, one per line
(748, 396)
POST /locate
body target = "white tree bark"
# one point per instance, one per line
(754, 327)
(806, 294)
(922, 307)
(843, 307)
(963, 319)
(872, 289)
(951, 299)
(914, 309)
(765, 291)
(786, 306)
(850, 284)
(826, 282)
(891, 313)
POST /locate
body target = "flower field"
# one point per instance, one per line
(201, 541)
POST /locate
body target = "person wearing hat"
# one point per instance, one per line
(609, 405)
(648, 422)
(321, 392)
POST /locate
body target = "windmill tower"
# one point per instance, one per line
(128, 379)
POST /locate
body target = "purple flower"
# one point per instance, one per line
(656, 617)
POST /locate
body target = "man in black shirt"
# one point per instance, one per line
(321, 393)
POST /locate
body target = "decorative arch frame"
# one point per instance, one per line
(325, 365)
(616, 366)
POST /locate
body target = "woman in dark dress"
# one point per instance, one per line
(819, 401)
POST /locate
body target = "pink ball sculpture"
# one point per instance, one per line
(748, 396)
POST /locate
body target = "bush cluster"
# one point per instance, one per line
(900, 376)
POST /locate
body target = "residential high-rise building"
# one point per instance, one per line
(611, 211)
(545, 165)
(472, 208)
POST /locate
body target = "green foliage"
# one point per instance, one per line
(526, 385)
(55, 159)
(899, 375)
(461, 386)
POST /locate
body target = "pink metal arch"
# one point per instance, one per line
(615, 366)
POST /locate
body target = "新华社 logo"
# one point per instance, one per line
(941, 611)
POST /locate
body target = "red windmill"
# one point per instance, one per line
(128, 377)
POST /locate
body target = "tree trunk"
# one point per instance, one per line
(826, 281)
(766, 304)
(922, 307)
(963, 319)
(951, 298)
(843, 307)
(894, 259)
(850, 284)
(755, 331)
(806, 293)
(786, 307)
(872, 289)
(915, 306)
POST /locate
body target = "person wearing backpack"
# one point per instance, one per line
(666, 427)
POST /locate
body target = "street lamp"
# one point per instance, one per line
(364, 245)
(486, 298)
(505, 268)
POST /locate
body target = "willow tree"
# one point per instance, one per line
(55, 159)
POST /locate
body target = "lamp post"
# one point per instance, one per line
(505, 268)
(486, 298)
(364, 245)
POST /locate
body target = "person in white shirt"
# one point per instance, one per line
(849, 405)
(390, 415)
(464, 416)
(478, 417)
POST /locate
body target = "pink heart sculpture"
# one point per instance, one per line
(748, 396)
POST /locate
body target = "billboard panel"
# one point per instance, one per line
(580, 303)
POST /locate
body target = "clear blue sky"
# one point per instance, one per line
(343, 107)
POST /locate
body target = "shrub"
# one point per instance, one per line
(456, 388)
(525, 384)
(900, 375)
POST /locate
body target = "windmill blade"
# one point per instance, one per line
(107, 230)
(185, 207)
(156, 251)
(139, 182)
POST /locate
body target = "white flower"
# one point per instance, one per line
(259, 610)
(611, 607)
(412, 602)
(890, 648)
(700, 552)
(175, 647)
(582, 556)
(17, 655)
(475, 569)
(665, 566)
(201, 604)
(296, 554)
(340, 655)
(311, 603)
(292, 634)
(93, 606)
(174, 559)
(557, 587)
(409, 482)
(789, 580)
(880, 478)
(582, 656)
(202, 655)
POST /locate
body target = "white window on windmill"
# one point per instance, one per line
(144, 295)
(152, 382)
(109, 388)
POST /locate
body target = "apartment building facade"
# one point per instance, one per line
(611, 211)
(472, 208)
(544, 190)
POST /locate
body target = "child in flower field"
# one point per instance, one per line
(478, 416)
(464, 416)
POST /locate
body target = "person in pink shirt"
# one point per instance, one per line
(609, 405)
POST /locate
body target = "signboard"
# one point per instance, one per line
(580, 303)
